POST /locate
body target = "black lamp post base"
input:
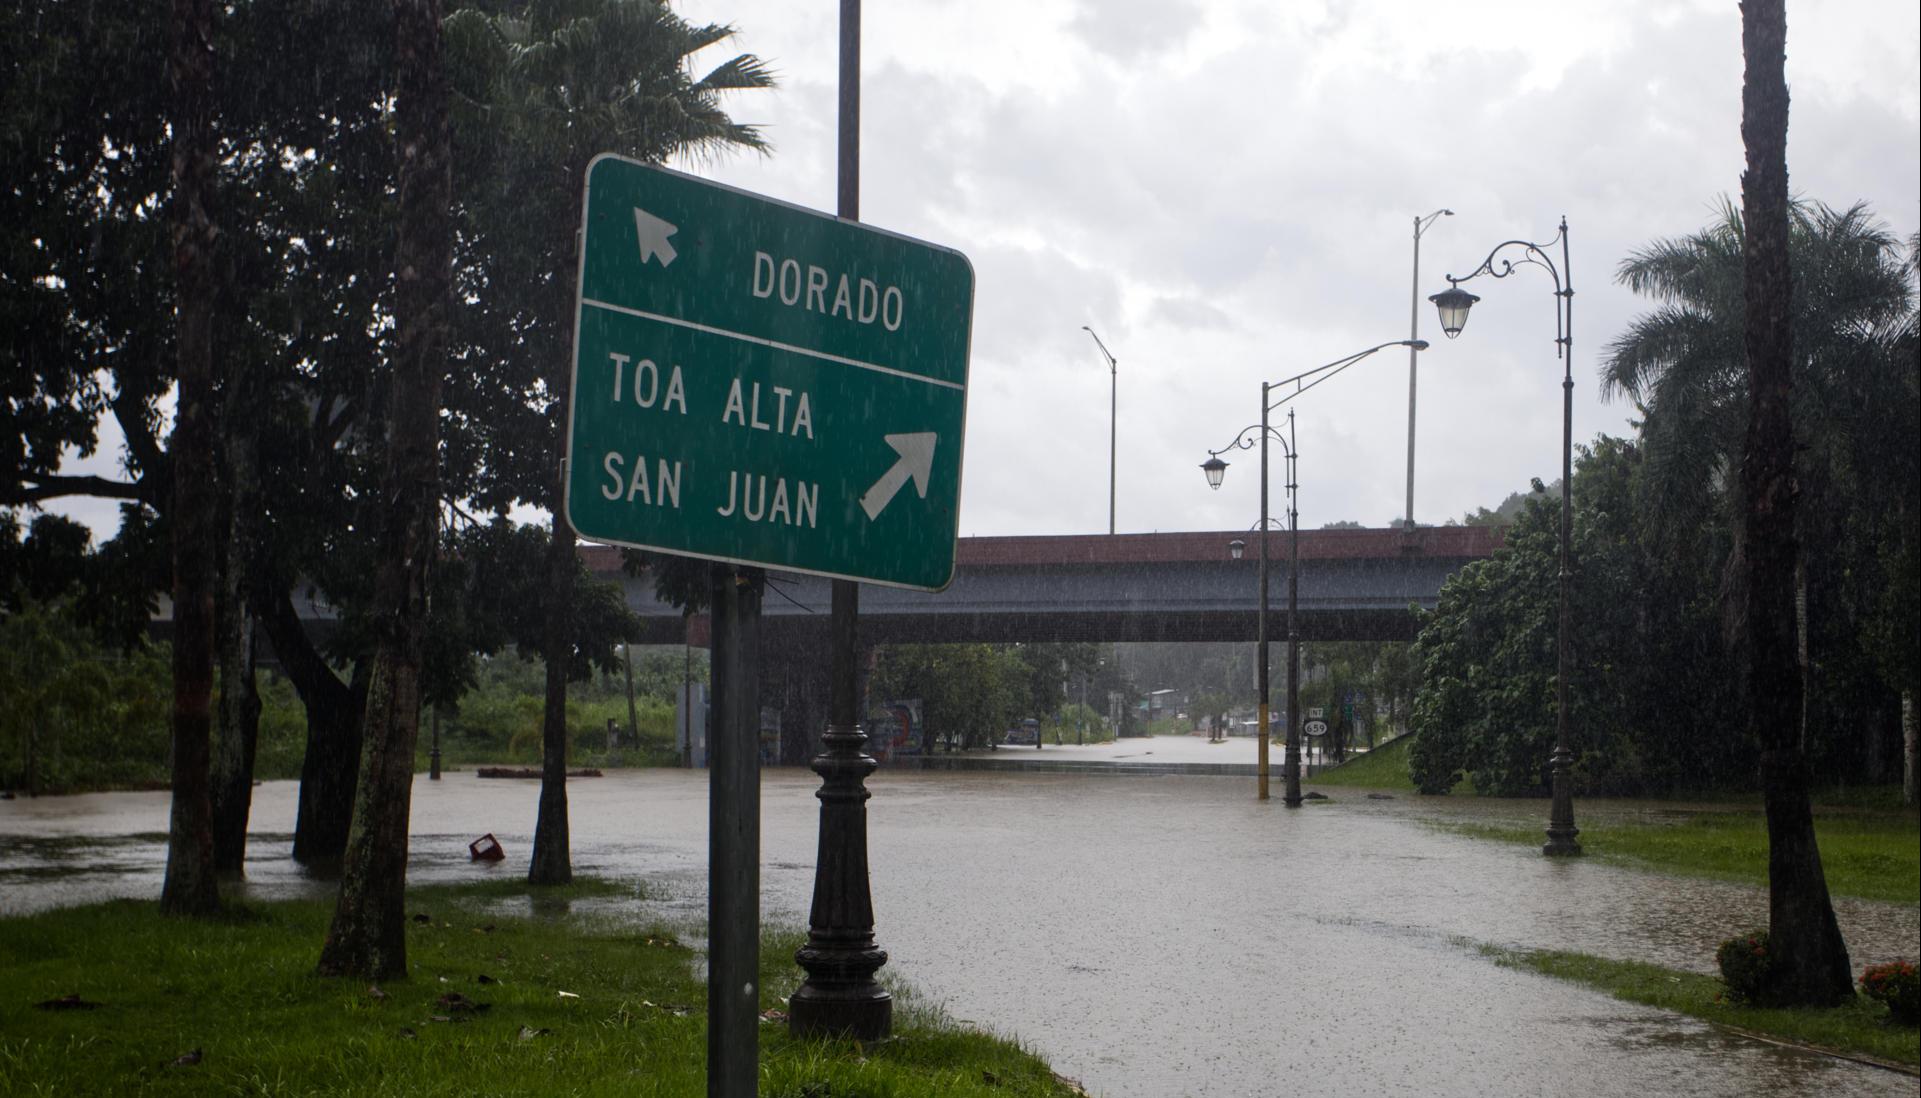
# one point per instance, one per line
(1560, 821)
(840, 997)
(1561, 844)
(860, 1011)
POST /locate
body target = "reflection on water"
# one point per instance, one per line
(1154, 937)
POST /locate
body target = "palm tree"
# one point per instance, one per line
(537, 96)
(1683, 363)
(1855, 397)
(1809, 959)
(1686, 365)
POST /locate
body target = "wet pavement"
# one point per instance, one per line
(1153, 937)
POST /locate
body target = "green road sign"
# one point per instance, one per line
(759, 383)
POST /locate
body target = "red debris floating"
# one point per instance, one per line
(486, 849)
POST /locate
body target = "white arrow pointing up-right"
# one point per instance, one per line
(916, 460)
(653, 234)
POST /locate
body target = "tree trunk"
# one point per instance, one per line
(239, 699)
(368, 934)
(233, 759)
(1811, 961)
(1908, 753)
(189, 888)
(552, 861)
(329, 770)
(633, 715)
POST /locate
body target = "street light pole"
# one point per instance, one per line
(1113, 414)
(1261, 629)
(1413, 352)
(840, 996)
(1215, 469)
(1453, 304)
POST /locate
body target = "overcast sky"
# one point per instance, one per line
(1226, 192)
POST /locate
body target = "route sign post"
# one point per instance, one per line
(758, 383)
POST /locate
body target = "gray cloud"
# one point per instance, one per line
(1127, 30)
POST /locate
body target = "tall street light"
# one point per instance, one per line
(1453, 304)
(1113, 408)
(1421, 225)
(1215, 469)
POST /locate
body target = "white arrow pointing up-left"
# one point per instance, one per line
(653, 233)
(916, 460)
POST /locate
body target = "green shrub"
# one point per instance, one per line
(1076, 720)
(1747, 967)
(282, 745)
(1897, 985)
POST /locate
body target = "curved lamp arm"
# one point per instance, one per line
(1112, 365)
(1250, 437)
(1454, 302)
(1323, 373)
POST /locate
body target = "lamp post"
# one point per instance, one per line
(1113, 410)
(1421, 225)
(1454, 304)
(1216, 469)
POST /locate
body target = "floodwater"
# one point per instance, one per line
(1154, 937)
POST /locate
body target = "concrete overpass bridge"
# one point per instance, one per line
(1355, 585)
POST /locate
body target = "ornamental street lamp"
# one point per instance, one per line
(1454, 304)
(1216, 469)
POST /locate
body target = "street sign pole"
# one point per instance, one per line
(733, 843)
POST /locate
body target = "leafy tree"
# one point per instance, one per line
(1509, 509)
(539, 93)
(368, 935)
(969, 692)
(85, 281)
(304, 310)
(1651, 693)
(291, 297)
(79, 714)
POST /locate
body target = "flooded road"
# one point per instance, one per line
(1154, 937)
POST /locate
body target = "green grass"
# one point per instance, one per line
(1385, 767)
(243, 992)
(1870, 855)
(1859, 1028)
